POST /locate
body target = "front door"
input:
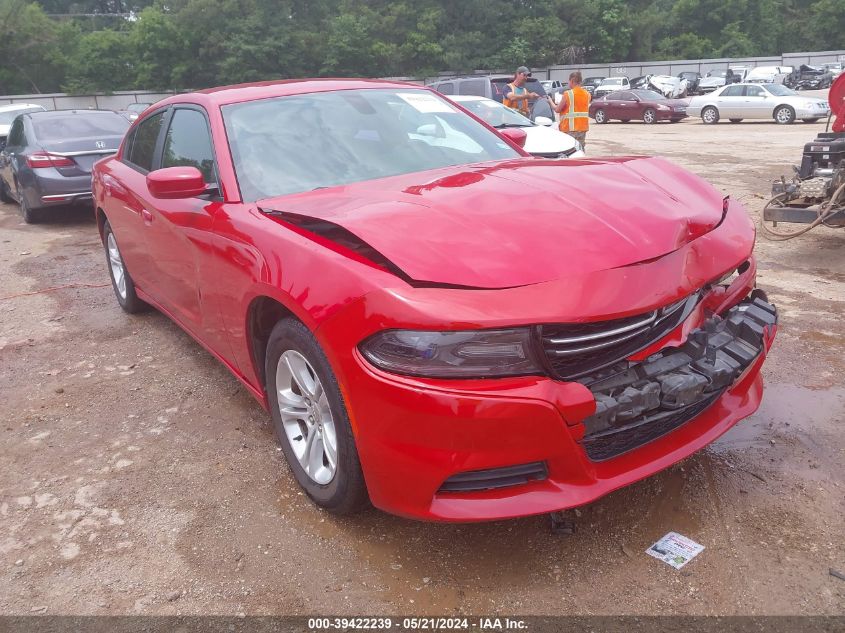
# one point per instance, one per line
(179, 235)
(756, 104)
(9, 155)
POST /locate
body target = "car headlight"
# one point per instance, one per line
(660, 106)
(461, 354)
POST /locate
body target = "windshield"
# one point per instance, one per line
(779, 90)
(6, 118)
(290, 144)
(495, 114)
(717, 73)
(137, 107)
(649, 95)
(612, 82)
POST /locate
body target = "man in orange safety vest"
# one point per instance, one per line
(574, 109)
(518, 95)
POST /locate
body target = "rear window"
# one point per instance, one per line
(447, 88)
(56, 128)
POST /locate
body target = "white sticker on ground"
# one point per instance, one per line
(675, 549)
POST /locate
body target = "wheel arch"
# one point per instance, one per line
(263, 313)
(101, 218)
(782, 105)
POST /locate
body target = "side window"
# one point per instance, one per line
(144, 143)
(446, 88)
(732, 91)
(473, 87)
(127, 145)
(16, 133)
(188, 143)
(753, 91)
(625, 96)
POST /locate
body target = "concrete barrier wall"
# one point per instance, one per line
(113, 101)
(636, 69)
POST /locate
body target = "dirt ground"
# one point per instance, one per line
(138, 477)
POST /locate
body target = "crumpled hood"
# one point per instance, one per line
(519, 222)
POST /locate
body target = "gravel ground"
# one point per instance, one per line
(139, 477)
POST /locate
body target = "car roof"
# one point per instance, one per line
(52, 114)
(238, 93)
(18, 106)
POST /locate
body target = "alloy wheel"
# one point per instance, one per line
(649, 116)
(306, 417)
(118, 271)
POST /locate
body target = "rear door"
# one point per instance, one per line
(731, 102)
(625, 105)
(128, 201)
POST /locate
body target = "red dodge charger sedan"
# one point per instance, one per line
(436, 321)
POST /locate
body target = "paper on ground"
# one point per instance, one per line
(675, 549)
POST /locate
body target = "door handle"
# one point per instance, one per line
(148, 217)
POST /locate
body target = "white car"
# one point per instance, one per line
(9, 112)
(768, 74)
(543, 141)
(670, 87)
(736, 102)
(611, 84)
(713, 80)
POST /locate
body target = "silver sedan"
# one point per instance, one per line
(736, 102)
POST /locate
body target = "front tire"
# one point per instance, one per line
(311, 421)
(121, 280)
(710, 115)
(649, 116)
(600, 116)
(784, 115)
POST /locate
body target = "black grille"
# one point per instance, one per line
(476, 480)
(619, 440)
(638, 402)
(577, 349)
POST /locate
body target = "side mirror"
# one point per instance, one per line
(515, 134)
(543, 120)
(176, 182)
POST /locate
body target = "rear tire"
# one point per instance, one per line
(30, 215)
(784, 115)
(600, 116)
(312, 424)
(4, 192)
(121, 280)
(710, 115)
(649, 116)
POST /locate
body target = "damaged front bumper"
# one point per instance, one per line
(638, 402)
